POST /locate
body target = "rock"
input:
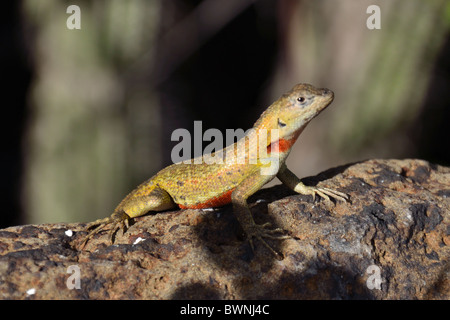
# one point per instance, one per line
(391, 242)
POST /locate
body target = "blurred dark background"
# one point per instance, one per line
(89, 113)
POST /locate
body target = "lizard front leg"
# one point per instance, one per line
(288, 178)
(239, 197)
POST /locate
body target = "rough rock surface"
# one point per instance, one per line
(396, 229)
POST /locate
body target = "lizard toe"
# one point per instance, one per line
(261, 232)
(119, 220)
(334, 194)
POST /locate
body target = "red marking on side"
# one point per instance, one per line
(283, 145)
(218, 201)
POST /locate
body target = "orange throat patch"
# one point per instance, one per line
(281, 145)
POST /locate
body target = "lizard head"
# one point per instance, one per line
(295, 109)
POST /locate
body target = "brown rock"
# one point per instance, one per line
(396, 226)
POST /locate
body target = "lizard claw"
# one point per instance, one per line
(119, 221)
(261, 231)
(325, 193)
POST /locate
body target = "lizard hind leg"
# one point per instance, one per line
(119, 220)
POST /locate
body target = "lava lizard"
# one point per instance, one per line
(262, 156)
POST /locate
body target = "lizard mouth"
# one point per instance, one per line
(327, 92)
(328, 95)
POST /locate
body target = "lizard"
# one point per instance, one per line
(189, 185)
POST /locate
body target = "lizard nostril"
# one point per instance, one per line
(325, 91)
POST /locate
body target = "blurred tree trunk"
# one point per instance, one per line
(92, 133)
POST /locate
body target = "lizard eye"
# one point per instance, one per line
(301, 99)
(281, 123)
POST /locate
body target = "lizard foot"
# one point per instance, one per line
(325, 193)
(261, 231)
(118, 221)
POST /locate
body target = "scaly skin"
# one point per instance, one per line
(209, 184)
